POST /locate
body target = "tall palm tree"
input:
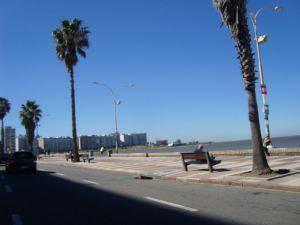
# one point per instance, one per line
(4, 109)
(30, 115)
(71, 39)
(234, 15)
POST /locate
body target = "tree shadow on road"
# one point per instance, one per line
(51, 199)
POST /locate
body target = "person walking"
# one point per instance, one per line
(102, 150)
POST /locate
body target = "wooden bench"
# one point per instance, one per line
(86, 157)
(203, 157)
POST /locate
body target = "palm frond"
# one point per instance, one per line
(30, 114)
(81, 52)
(71, 39)
(228, 10)
(4, 107)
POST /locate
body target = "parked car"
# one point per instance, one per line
(21, 161)
(3, 158)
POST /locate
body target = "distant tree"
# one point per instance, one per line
(234, 15)
(30, 115)
(4, 109)
(71, 39)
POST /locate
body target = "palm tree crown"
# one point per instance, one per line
(71, 39)
(4, 107)
(233, 14)
(30, 114)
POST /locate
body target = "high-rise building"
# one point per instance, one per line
(161, 142)
(133, 139)
(126, 139)
(55, 144)
(9, 139)
(21, 143)
(108, 141)
(89, 142)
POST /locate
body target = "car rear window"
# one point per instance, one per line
(23, 155)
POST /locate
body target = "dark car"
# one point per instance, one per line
(21, 161)
(3, 158)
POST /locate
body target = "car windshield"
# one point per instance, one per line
(23, 155)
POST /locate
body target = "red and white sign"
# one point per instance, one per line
(263, 89)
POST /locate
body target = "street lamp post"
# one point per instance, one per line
(116, 103)
(38, 125)
(260, 39)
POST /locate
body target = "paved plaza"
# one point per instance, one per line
(170, 168)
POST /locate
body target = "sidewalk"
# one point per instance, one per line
(170, 168)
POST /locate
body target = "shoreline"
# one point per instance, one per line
(248, 152)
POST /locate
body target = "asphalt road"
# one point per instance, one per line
(65, 195)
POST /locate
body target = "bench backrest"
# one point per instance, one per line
(198, 155)
(84, 155)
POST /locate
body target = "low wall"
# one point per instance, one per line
(273, 152)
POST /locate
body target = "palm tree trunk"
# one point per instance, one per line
(242, 37)
(74, 132)
(260, 164)
(2, 137)
(30, 137)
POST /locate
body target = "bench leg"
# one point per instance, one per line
(184, 164)
(209, 163)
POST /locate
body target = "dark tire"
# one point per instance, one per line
(34, 171)
(8, 171)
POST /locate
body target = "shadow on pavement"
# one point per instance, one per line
(47, 198)
(215, 170)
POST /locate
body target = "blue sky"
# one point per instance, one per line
(188, 80)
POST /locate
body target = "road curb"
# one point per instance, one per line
(235, 183)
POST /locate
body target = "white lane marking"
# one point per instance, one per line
(171, 204)
(41, 169)
(90, 182)
(16, 219)
(8, 188)
(60, 174)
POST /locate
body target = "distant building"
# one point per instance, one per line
(55, 144)
(176, 143)
(21, 143)
(133, 139)
(9, 139)
(161, 142)
(108, 141)
(89, 142)
(126, 139)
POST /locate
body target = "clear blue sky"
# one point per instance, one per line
(188, 80)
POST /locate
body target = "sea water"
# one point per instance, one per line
(277, 142)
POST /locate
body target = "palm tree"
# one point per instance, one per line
(234, 15)
(30, 115)
(4, 109)
(71, 39)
